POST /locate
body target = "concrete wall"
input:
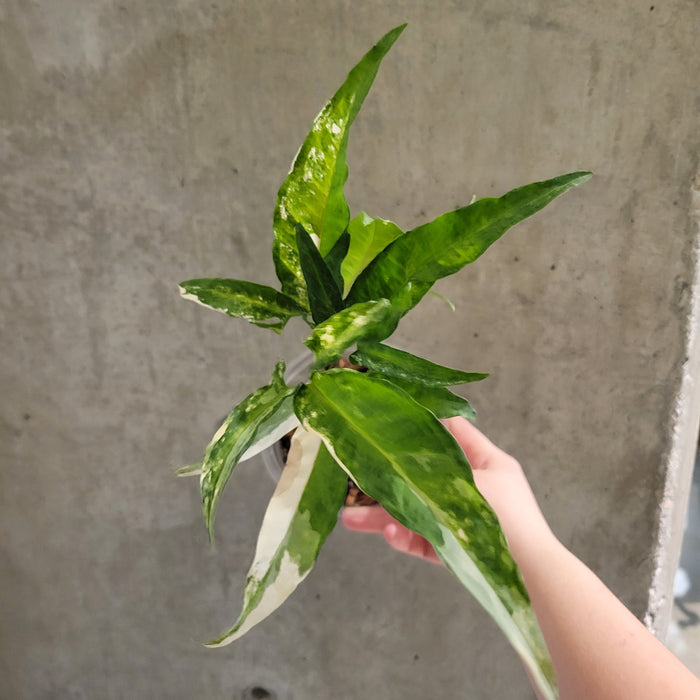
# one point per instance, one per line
(142, 143)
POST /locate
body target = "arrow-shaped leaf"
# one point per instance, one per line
(418, 472)
(325, 297)
(312, 194)
(302, 513)
(253, 302)
(445, 245)
(403, 365)
(235, 436)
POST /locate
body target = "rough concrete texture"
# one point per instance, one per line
(142, 143)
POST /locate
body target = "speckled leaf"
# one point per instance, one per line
(371, 320)
(437, 399)
(368, 238)
(403, 365)
(302, 513)
(445, 245)
(272, 429)
(256, 303)
(238, 432)
(312, 194)
(325, 297)
(418, 472)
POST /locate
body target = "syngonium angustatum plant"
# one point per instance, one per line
(352, 280)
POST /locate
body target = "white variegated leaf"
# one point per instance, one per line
(301, 514)
(273, 429)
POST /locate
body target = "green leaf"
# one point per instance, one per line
(235, 436)
(325, 297)
(368, 238)
(371, 320)
(445, 245)
(437, 399)
(282, 421)
(403, 365)
(256, 303)
(335, 258)
(418, 472)
(312, 194)
(301, 514)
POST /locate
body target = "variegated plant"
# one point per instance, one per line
(352, 280)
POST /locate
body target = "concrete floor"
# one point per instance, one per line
(684, 632)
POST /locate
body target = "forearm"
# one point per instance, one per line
(599, 649)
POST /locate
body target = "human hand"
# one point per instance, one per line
(375, 519)
(501, 481)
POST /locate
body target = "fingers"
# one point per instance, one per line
(365, 518)
(403, 540)
(376, 519)
(480, 451)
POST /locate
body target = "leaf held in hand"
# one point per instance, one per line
(418, 472)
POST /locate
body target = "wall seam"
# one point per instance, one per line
(685, 421)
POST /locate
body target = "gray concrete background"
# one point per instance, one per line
(142, 143)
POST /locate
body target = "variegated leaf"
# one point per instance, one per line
(401, 455)
(403, 365)
(445, 245)
(235, 436)
(312, 194)
(257, 303)
(371, 320)
(437, 399)
(302, 513)
(273, 429)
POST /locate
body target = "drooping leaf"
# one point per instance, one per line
(371, 320)
(300, 516)
(368, 238)
(235, 436)
(448, 243)
(335, 258)
(325, 297)
(312, 194)
(253, 302)
(403, 365)
(401, 455)
(437, 399)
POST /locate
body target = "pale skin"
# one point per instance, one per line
(599, 649)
